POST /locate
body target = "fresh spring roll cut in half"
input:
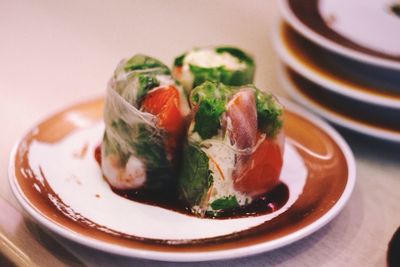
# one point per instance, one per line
(228, 65)
(144, 119)
(234, 148)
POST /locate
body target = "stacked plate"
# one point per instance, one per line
(341, 59)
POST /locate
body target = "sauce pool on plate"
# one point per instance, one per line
(264, 204)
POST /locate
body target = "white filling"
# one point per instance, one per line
(209, 58)
(165, 80)
(132, 176)
(221, 163)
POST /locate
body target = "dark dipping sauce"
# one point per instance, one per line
(264, 204)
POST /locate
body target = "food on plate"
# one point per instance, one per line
(228, 65)
(217, 153)
(144, 122)
(234, 148)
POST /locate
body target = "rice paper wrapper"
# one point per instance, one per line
(209, 164)
(133, 153)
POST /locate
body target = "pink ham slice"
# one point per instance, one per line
(241, 110)
(258, 172)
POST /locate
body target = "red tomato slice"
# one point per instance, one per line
(261, 171)
(164, 102)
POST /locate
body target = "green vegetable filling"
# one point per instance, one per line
(225, 203)
(195, 177)
(207, 117)
(146, 83)
(268, 114)
(178, 62)
(212, 99)
(221, 74)
(148, 147)
(142, 62)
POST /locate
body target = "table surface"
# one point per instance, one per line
(54, 53)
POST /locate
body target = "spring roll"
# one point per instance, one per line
(234, 148)
(144, 113)
(228, 65)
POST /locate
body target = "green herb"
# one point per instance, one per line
(142, 62)
(211, 98)
(229, 202)
(149, 147)
(146, 83)
(124, 131)
(178, 62)
(210, 90)
(268, 114)
(195, 177)
(205, 74)
(221, 74)
(207, 117)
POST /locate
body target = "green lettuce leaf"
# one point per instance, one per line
(149, 146)
(142, 62)
(146, 83)
(225, 203)
(269, 114)
(179, 60)
(211, 98)
(195, 177)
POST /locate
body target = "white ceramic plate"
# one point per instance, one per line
(56, 179)
(358, 81)
(357, 116)
(362, 30)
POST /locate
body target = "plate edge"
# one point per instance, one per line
(332, 117)
(295, 64)
(308, 33)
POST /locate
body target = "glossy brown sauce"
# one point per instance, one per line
(264, 204)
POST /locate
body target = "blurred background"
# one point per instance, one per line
(56, 53)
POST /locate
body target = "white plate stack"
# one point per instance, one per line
(341, 59)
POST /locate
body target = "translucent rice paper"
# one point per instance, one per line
(133, 151)
(210, 164)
